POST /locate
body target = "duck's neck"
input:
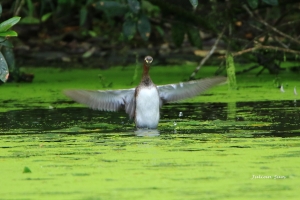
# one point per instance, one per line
(146, 80)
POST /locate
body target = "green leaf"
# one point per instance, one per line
(30, 20)
(9, 57)
(194, 36)
(129, 28)
(46, 16)
(2, 39)
(30, 7)
(144, 27)
(4, 42)
(253, 3)
(4, 26)
(160, 30)
(134, 5)
(111, 8)
(92, 33)
(89, 53)
(9, 33)
(83, 15)
(271, 2)
(194, 3)
(178, 31)
(3, 68)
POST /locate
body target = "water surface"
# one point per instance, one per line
(202, 151)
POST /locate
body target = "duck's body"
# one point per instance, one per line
(146, 110)
(143, 102)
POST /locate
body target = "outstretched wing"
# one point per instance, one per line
(105, 100)
(180, 91)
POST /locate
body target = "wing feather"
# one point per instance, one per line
(105, 100)
(180, 91)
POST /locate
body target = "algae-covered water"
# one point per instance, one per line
(222, 145)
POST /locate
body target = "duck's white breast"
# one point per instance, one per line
(147, 108)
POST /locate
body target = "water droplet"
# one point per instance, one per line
(180, 114)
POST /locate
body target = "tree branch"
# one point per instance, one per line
(269, 26)
(262, 47)
(204, 59)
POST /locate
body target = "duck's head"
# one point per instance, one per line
(148, 60)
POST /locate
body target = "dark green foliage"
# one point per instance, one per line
(129, 28)
(271, 2)
(7, 59)
(253, 3)
(111, 8)
(135, 19)
(179, 29)
(83, 15)
(194, 36)
(3, 68)
(10, 59)
(134, 6)
(246, 24)
(178, 32)
(144, 27)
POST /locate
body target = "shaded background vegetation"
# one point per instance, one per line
(101, 33)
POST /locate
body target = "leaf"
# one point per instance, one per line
(111, 8)
(271, 2)
(4, 26)
(3, 68)
(178, 31)
(46, 16)
(9, 33)
(194, 3)
(30, 20)
(4, 42)
(144, 27)
(194, 36)
(92, 33)
(160, 30)
(134, 5)
(83, 15)
(253, 3)
(89, 53)
(30, 7)
(129, 28)
(9, 57)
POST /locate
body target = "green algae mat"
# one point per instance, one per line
(224, 144)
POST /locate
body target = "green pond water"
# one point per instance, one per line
(221, 145)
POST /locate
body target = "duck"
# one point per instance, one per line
(143, 102)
